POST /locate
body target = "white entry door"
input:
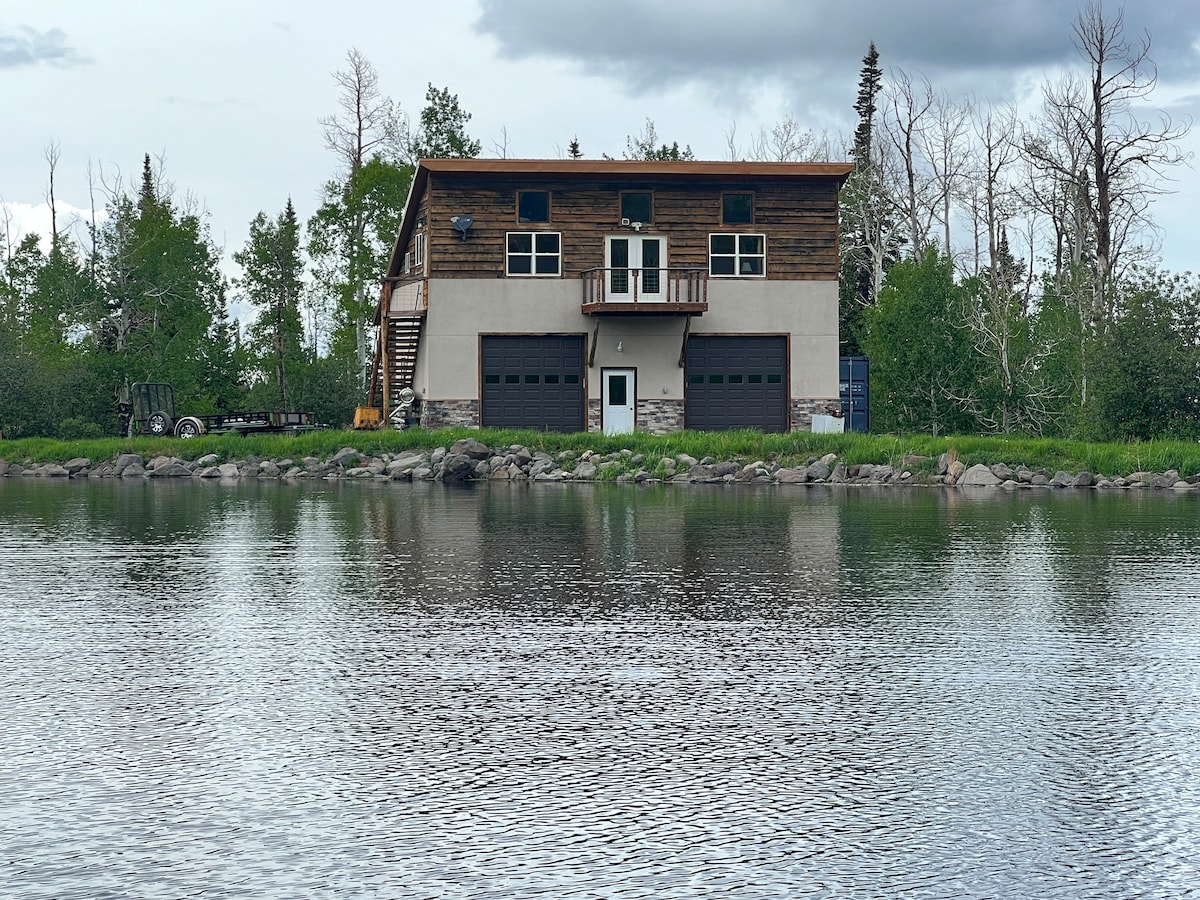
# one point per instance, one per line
(619, 390)
(636, 270)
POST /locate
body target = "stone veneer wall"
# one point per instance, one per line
(660, 416)
(653, 416)
(804, 409)
(450, 413)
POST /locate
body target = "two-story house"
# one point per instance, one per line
(613, 295)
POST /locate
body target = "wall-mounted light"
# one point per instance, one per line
(619, 347)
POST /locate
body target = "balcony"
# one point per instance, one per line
(657, 292)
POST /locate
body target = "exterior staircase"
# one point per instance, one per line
(403, 342)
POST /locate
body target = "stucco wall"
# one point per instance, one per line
(462, 309)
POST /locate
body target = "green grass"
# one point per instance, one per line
(746, 446)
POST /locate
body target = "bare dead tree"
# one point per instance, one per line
(367, 119)
(946, 151)
(1059, 183)
(732, 152)
(907, 110)
(1127, 158)
(500, 147)
(51, 154)
(785, 142)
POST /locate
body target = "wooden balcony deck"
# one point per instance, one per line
(641, 292)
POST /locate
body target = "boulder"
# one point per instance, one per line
(1003, 471)
(541, 467)
(78, 464)
(818, 471)
(979, 475)
(456, 467)
(471, 448)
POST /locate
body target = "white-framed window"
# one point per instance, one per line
(737, 255)
(419, 249)
(537, 253)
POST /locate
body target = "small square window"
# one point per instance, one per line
(737, 255)
(534, 253)
(637, 206)
(533, 206)
(737, 209)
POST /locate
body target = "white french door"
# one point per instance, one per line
(636, 266)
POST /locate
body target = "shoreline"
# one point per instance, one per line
(469, 460)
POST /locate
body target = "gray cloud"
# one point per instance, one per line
(671, 42)
(29, 47)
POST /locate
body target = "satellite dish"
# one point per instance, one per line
(462, 224)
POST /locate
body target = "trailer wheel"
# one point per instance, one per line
(159, 423)
(188, 428)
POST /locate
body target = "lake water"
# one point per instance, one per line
(584, 691)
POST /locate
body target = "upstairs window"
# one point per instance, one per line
(533, 206)
(737, 209)
(533, 253)
(415, 257)
(737, 255)
(637, 206)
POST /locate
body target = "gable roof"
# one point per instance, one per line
(615, 169)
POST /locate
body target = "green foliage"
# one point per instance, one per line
(1146, 366)
(273, 283)
(349, 240)
(157, 270)
(921, 359)
(646, 146)
(443, 130)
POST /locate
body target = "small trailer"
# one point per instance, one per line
(149, 408)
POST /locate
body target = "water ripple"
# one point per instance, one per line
(359, 693)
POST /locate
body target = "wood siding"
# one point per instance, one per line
(798, 215)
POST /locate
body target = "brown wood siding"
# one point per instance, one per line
(798, 215)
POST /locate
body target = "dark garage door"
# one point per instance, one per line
(532, 381)
(737, 381)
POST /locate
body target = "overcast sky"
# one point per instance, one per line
(229, 92)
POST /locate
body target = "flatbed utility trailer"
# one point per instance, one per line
(149, 408)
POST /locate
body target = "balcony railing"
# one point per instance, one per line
(659, 291)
